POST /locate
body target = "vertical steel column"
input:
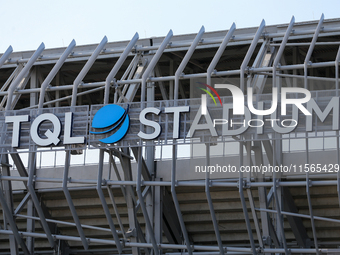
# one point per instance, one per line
(142, 204)
(30, 223)
(210, 202)
(308, 184)
(337, 59)
(128, 193)
(153, 63)
(262, 197)
(150, 160)
(76, 82)
(243, 201)
(108, 80)
(219, 53)
(178, 73)
(158, 216)
(277, 201)
(250, 53)
(174, 197)
(250, 196)
(306, 63)
(310, 50)
(145, 76)
(117, 66)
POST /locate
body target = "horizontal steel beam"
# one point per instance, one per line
(170, 246)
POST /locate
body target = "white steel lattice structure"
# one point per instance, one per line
(152, 196)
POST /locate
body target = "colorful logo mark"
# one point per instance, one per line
(113, 117)
(209, 93)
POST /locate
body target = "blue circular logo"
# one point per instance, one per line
(114, 118)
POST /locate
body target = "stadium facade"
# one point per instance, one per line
(211, 143)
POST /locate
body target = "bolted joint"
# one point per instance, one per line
(247, 70)
(277, 183)
(131, 233)
(245, 185)
(267, 240)
(310, 183)
(260, 250)
(114, 83)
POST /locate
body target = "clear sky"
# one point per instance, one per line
(25, 24)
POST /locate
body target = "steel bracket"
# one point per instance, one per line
(245, 185)
(310, 183)
(277, 183)
(131, 232)
(260, 250)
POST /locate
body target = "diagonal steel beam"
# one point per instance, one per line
(130, 199)
(85, 70)
(54, 72)
(6, 55)
(250, 53)
(6, 191)
(35, 199)
(12, 224)
(142, 203)
(22, 204)
(22, 75)
(153, 63)
(70, 202)
(219, 53)
(117, 66)
(295, 223)
(310, 50)
(103, 201)
(186, 59)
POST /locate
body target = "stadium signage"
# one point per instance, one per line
(114, 120)
(50, 137)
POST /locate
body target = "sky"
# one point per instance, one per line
(25, 24)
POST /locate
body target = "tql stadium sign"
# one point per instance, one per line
(196, 120)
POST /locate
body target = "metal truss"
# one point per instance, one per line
(143, 206)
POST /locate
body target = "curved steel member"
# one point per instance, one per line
(53, 72)
(117, 66)
(250, 53)
(22, 74)
(86, 68)
(153, 63)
